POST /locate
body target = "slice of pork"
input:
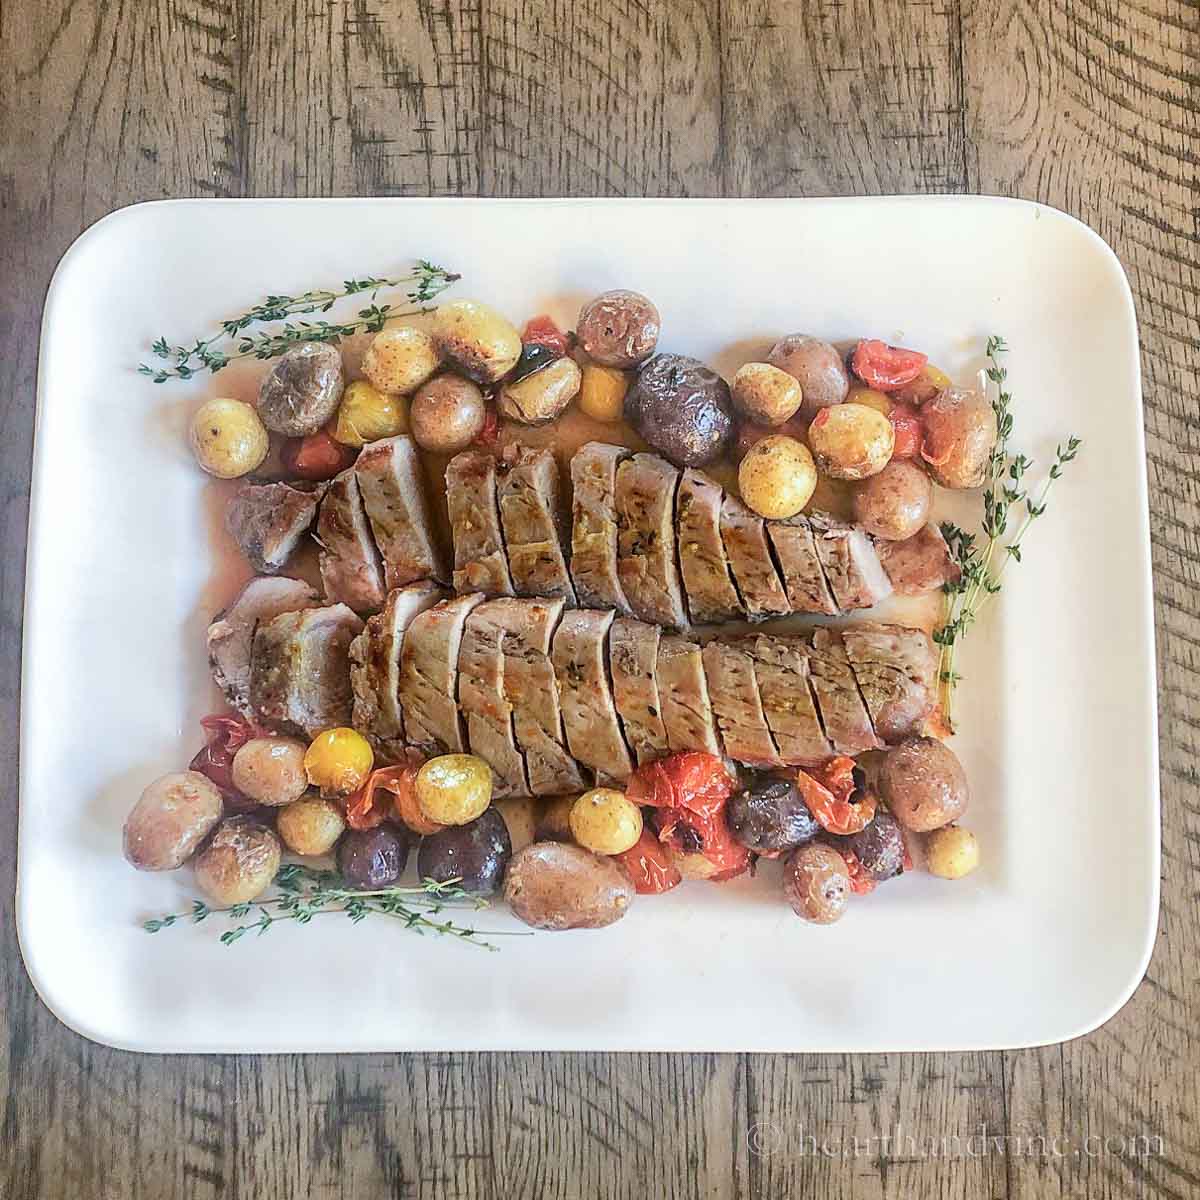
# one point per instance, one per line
(484, 703)
(267, 520)
(707, 583)
(350, 566)
(393, 492)
(633, 664)
(594, 526)
(744, 535)
(479, 561)
(375, 668)
(530, 687)
(646, 565)
(429, 676)
(231, 634)
(532, 517)
(686, 709)
(896, 669)
(589, 715)
(733, 690)
(844, 716)
(782, 670)
(851, 563)
(921, 563)
(300, 670)
(803, 578)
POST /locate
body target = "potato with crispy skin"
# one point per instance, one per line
(555, 886)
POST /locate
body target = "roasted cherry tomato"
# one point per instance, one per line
(387, 793)
(884, 367)
(860, 882)
(316, 457)
(906, 424)
(490, 433)
(649, 866)
(830, 793)
(694, 833)
(692, 780)
(225, 734)
(542, 331)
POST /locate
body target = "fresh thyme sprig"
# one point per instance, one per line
(1004, 489)
(211, 354)
(304, 893)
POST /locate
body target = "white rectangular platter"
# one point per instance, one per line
(1058, 727)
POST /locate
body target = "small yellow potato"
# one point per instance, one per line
(602, 392)
(951, 852)
(484, 345)
(240, 862)
(310, 826)
(851, 441)
(270, 770)
(605, 821)
(447, 414)
(366, 414)
(520, 815)
(777, 477)
(766, 394)
(228, 438)
(338, 761)
(870, 398)
(454, 788)
(173, 816)
(542, 396)
(400, 359)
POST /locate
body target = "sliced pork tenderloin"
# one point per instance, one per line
(744, 535)
(896, 669)
(231, 634)
(803, 576)
(480, 564)
(531, 689)
(350, 566)
(921, 563)
(300, 669)
(532, 517)
(686, 708)
(484, 702)
(844, 715)
(594, 526)
(707, 583)
(579, 655)
(393, 492)
(375, 668)
(850, 562)
(646, 564)
(633, 665)
(733, 691)
(781, 668)
(429, 676)
(268, 520)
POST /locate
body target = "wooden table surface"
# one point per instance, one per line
(1090, 105)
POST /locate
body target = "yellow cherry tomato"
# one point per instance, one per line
(602, 393)
(871, 398)
(454, 789)
(605, 821)
(338, 761)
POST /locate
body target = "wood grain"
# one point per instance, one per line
(1091, 105)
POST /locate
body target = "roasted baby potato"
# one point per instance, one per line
(951, 852)
(310, 825)
(477, 339)
(555, 886)
(540, 397)
(766, 394)
(816, 883)
(173, 816)
(895, 503)
(682, 408)
(453, 789)
(366, 414)
(923, 784)
(520, 815)
(228, 438)
(270, 770)
(447, 414)
(605, 822)
(475, 855)
(400, 359)
(302, 390)
(960, 435)
(851, 441)
(770, 815)
(777, 477)
(369, 859)
(879, 848)
(818, 368)
(239, 863)
(618, 328)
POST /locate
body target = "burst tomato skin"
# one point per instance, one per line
(861, 884)
(489, 435)
(906, 424)
(225, 734)
(317, 457)
(886, 368)
(649, 866)
(830, 793)
(542, 331)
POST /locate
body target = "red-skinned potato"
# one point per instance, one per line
(959, 437)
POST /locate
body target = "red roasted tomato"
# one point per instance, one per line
(885, 367)
(649, 866)
(542, 331)
(906, 424)
(317, 457)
